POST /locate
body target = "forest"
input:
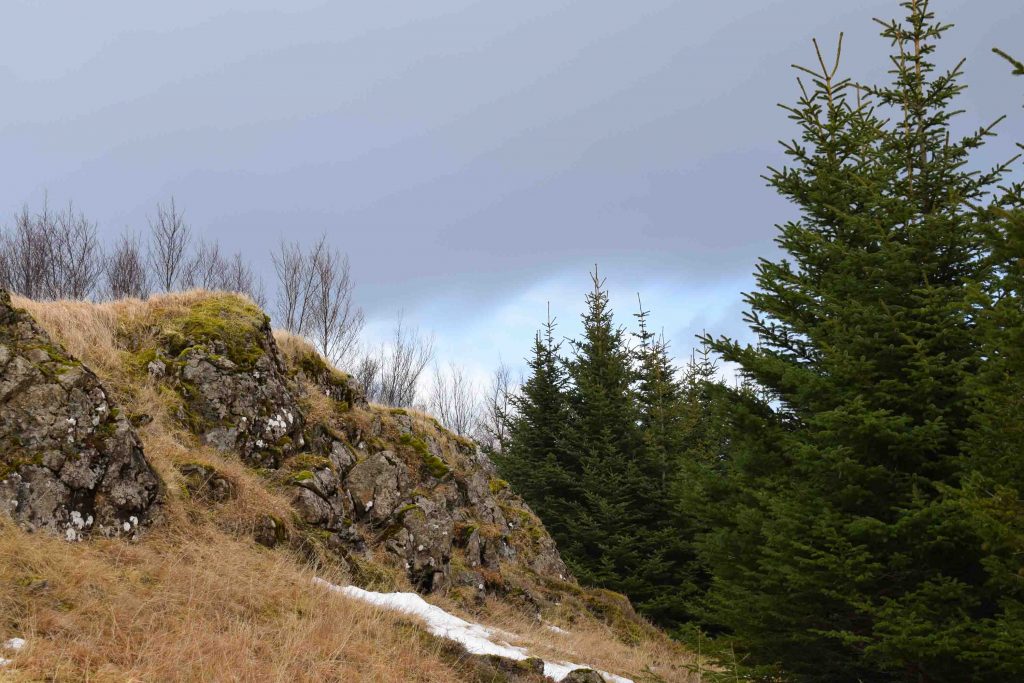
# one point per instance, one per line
(850, 508)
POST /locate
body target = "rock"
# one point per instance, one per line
(269, 531)
(252, 412)
(332, 383)
(342, 457)
(583, 676)
(312, 507)
(377, 485)
(205, 483)
(70, 462)
(429, 547)
(219, 354)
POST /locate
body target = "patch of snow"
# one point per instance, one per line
(555, 629)
(13, 645)
(477, 639)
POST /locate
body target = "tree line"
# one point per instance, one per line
(57, 254)
(853, 509)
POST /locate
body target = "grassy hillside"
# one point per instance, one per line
(197, 598)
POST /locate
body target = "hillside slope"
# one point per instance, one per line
(274, 471)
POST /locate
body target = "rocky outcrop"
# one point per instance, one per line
(369, 484)
(70, 461)
(219, 355)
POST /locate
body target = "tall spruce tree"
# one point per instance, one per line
(841, 556)
(664, 577)
(534, 460)
(601, 447)
(992, 493)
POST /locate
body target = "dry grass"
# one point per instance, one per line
(191, 604)
(196, 599)
(590, 641)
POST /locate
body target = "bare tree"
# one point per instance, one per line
(238, 276)
(52, 255)
(333, 321)
(125, 273)
(75, 254)
(204, 269)
(366, 371)
(497, 410)
(169, 245)
(454, 400)
(314, 298)
(292, 278)
(399, 366)
(26, 247)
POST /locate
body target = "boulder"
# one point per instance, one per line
(377, 485)
(70, 462)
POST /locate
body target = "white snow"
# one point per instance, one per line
(13, 645)
(477, 639)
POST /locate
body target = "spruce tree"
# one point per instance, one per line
(601, 447)
(842, 557)
(992, 493)
(666, 556)
(533, 460)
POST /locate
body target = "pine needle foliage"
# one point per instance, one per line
(845, 557)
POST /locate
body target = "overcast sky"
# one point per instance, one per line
(474, 159)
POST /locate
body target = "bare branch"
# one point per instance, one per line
(169, 245)
(125, 274)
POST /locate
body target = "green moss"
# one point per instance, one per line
(236, 324)
(314, 365)
(401, 512)
(300, 476)
(307, 461)
(12, 461)
(464, 531)
(398, 411)
(434, 465)
(496, 485)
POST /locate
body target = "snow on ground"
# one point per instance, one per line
(477, 639)
(12, 645)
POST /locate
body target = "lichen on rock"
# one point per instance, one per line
(219, 355)
(70, 461)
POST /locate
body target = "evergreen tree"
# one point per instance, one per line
(666, 556)
(533, 460)
(993, 491)
(601, 447)
(842, 557)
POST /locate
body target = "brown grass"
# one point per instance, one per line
(190, 604)
(196, 599)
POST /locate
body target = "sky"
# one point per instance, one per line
(474, 159)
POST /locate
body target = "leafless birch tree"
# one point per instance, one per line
(125, 274)
(454, 400)
(52, 255)
(169, 241)
(391, 375)
(496, 410)
(315, 298)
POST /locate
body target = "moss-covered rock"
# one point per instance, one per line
(70, 462)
